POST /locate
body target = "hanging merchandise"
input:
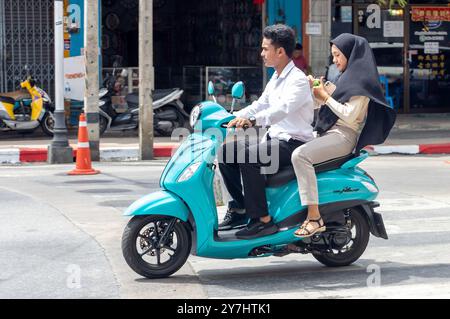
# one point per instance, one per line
(112, 21)
(129, 4)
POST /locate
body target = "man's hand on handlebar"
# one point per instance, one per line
(239, 122)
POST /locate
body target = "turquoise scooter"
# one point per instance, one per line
(181, 218)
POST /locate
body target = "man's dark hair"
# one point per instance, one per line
(281, 36)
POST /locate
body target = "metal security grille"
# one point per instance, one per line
(26, 38)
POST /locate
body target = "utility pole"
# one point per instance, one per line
(59, 151)
(146, 79)
(91, 52)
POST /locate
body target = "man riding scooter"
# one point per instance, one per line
(286, 106)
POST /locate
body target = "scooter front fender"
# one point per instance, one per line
(159, 203)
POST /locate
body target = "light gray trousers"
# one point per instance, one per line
(337, 142)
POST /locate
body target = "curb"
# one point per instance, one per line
(38, 155)
(409, 149)
(33, 155)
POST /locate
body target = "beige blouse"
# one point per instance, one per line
(351, 114)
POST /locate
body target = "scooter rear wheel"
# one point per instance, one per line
(145, 256)
(349, 253)
(48, 124)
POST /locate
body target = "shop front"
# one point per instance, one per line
(196, 41)
(193, 41)
(411, 47)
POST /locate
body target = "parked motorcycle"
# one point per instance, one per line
(26, 109)
(181, 218)
(168, 110)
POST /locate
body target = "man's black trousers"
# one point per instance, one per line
(247, 159)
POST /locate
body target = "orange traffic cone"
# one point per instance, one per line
(83, 166)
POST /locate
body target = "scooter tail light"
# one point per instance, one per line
(370, 187)
(365, 173)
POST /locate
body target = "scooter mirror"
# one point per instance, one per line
(238, 90)
(211, 90)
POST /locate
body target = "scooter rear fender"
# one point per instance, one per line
(159, 203)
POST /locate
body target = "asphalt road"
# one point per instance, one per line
(60, 238)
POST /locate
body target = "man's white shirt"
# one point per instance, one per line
(286, 105)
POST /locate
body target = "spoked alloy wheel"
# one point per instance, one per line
(344, 255)
(156, 246)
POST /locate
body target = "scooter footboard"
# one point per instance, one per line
(159, 203)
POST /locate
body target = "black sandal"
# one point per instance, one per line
(311, 232)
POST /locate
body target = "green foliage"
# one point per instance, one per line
(401, 3)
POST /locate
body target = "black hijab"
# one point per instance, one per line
(360, 78)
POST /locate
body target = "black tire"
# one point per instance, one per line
(130, 246)
(103, 124)
(361, 230)
(179, 122)
(48, 124)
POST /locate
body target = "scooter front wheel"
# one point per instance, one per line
(156, 246)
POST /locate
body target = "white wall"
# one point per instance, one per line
(320, 11)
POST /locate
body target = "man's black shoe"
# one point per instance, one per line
(233, 220)
(257, 229)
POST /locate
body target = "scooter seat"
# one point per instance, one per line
(132, 99)
(287, 174)
(12, 97)
(7, 99)
(159, 94)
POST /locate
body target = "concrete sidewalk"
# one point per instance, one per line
(412, 134)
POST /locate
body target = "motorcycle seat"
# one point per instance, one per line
(132, 99)
(286, 174)
(12, 97)
(159, 94)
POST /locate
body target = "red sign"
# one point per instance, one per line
(430, 14)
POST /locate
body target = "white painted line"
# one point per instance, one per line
(401, 149)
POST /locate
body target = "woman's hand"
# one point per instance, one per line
(319, 92)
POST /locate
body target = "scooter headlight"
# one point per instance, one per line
(189, 171)
(101, 103)
(195, 114)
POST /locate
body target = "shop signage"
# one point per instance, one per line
(374, 19)
(346, 14)
(313, 28)
(74, 17)
(430, 14)
(74, 78)
(431, 47)
(392, 29)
